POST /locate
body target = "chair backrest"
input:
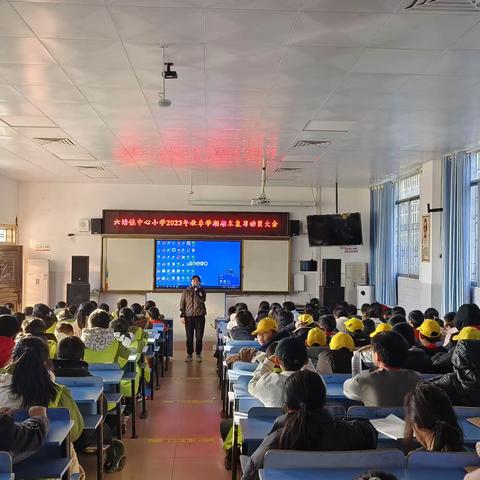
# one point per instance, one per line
(90, 381)
(52, 413)
(279, 459)
(5, 462)
(245, 366)
(336, 377)
(336, 410)
(243, 343)
(420, 459)
(467, 412)
(158, 327)
(265, 412)
(103, 366)
(243, 380)
(374, 412)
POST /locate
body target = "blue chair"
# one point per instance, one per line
(265, 412)
(244, 367)
(6, 466)
(467, 412)
(368, 459)
(371, 413)
(336, 410)
(336, 377)
(418, 459)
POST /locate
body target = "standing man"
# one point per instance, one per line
(193, 311)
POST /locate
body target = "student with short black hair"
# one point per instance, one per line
(63, 329)
(415, 319)
(60, 305)
(28, 311)
(374, 312)
(148, 305)
(40, 310)
(387, 385)
(449, 328)
(290, 306)
(104, 307)
(139, 320)
(429, 415)
(36, 327)
(5, 310)
(399, 311)
(9, 328)
(121, 303)
(416, 359)
(368, 326)
(245, 326)
(307, 424)
(396, 318)
(432, 314)
(329, 325)
(364, 309)
(285, 320)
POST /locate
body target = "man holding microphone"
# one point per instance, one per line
(193, 311)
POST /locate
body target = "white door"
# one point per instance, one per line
(36, 282)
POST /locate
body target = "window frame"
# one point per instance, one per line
(475, 182)
(11, 230)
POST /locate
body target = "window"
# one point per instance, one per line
(8, 234)
(474, 217)
(408, 226)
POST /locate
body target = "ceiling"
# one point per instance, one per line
(388, 87)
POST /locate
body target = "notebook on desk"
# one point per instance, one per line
(474, 421)
(391, 426)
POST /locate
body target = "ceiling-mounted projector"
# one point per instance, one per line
(169, 73)
(262, 200)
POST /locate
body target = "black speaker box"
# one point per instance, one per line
(78, 293)
(80, 269)
(294, 228)
(331, 272)
(308, 266)
(96, 225)
(330, 296)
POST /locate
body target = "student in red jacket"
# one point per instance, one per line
(9, 327)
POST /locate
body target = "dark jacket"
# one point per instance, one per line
(329, 434)
(24, 439)
(463, 385)
(442, 362)
(419, 361)
(242, 333)
(302, 333)
(70, 368)
(360, 339)
(192, 302)
(335, 361)
(313, 353)
(433, 351)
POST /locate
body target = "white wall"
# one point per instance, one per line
(8, 201)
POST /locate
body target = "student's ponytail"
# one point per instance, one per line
(304, 394)
(30, 374)
(447, 437)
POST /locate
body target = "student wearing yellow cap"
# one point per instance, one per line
(338, 359)
(430, 333)
(302, 326)
(316, 342)
(354, 327)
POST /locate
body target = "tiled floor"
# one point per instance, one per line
(180, 439)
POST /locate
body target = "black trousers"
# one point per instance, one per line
(194, 326)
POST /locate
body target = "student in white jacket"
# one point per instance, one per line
(266, 383)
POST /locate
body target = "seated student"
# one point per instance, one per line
(399, 311)
(341, 316)
(232, 322)
(9, 328)
(366, 351)
(129, 316)
(28, 311)
(59, 306)
(265, 333)
(468, 315)
(449, 328)
(302, 326)
(376, 475)
(375, 313)
(21, 440)
(432, 314)
(352, 311)
(368, 326)
(81, 317)
(28, 382)
(354, 327)
(263, 309)
(329, 325)
(429, 338)
(416, 358)
(462, 385)
(36, 327)
(63, 315)
(40, 310)
(148, 305)
(285, 320)
(386, 313)
(308, 425)
(389, 383)
(415, 319)
(245, 326)
(337, 359)
(101, 346)
(290, 307)
(396, 318)
(311, 310)
(5, 310)
(62, 330)
(139, 320)
(429, 415)
(363, 310)
(70, 363)
(121, 331)
(104, 307)
(316, 342)
(155, 317)
(266, 385)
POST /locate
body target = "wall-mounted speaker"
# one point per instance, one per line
(308, 265)
(331, 272)
(80, 269)
(78, 293)
(96, 225)
(330, 296)
(294, 228)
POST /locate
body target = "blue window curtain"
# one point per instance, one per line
(456, 177)
(383, 272)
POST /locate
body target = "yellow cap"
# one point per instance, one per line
(468, 333)
(342, 340)
(353, 325)
(382, 327)
(265, 325)
(430, 328)
(316, 336)
(305, 319)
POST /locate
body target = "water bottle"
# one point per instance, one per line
(356, 363)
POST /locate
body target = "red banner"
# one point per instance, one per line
(212, 224)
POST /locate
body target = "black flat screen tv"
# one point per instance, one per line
(334, 230)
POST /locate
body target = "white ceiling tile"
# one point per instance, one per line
(11, 24)
(470, 40)
(236, 97)
(426, 31)
(67, 21)
(42, 94)
(155, 3)
(396, 61)
(102, 76)
(9, 94)
(457, 62)
(336, 29)
(248, 26)
(66, 110)
(19, 74)
(27, 121)
(159, 25)
(23, 51)
(19, 108)
(381, 6)
(255, 4)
